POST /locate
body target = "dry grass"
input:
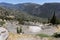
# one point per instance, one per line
(26, 37)
(58, 28)
(19, 36)
(13, 36)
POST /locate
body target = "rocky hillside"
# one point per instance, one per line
(18, 14)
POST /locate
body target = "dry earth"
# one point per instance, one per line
(28, 37)
(24, 37)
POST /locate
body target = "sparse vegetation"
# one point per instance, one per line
(56, 35)
(43, 35)
(2, 22)
(19, 15)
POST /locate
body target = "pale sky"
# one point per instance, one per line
(32, 1)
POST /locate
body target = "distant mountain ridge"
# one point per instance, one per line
(44, 11)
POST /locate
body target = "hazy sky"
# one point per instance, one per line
(33, 1)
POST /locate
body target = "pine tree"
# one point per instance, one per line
(53, 19)
(18, 30)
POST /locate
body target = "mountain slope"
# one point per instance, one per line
(44, 11)
(30, 8)
(48, 9)
(18, 14)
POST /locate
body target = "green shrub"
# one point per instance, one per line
(2, 22)
(56, 35)
(43, 35)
